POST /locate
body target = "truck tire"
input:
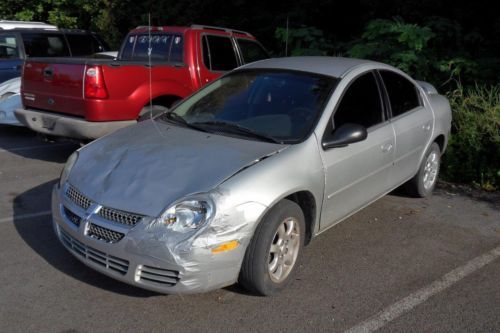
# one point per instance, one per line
(425, 180)
(274, 253)
(148, 112)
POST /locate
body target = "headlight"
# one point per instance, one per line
(67, 168)
(187, 214)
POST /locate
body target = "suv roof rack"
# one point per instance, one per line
(200, 26)
(10, 25)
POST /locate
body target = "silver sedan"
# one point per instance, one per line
(229, 185)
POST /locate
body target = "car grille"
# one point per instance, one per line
(72, 217)
(78, 198)
(119, 216)
(152, 275)
(92, 255)
(110, 214)
(104, 234)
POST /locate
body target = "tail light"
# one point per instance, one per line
(94, 83)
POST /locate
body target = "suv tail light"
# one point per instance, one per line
(94, 83)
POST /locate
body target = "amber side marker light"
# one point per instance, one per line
(228, 246)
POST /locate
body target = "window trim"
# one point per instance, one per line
(330, 123)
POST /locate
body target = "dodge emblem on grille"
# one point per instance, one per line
(85, 223)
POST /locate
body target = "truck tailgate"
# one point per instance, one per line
(53, 86)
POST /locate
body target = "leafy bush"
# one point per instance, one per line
(473, 154)
(303, 41)
(412, 48)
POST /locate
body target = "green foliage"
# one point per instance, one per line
(473, 154)
(304, 41)
(410, 47)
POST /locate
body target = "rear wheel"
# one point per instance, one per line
(150, 111)
(425, 180)
(274, 252)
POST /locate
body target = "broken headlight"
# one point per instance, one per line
(188, 214)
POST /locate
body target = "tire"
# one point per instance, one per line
(260, 272)
(425, 180)
(150, 111)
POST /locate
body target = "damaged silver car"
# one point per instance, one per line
(229, 185)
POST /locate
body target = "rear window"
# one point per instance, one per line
(164, 47)
(45, 45)
(83, 44)
(8, 47)
(251, 51)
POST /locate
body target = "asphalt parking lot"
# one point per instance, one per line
(400, 265)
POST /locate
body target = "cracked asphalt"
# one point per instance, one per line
(352, 272)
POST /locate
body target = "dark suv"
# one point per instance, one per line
(16, 45)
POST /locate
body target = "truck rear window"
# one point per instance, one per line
(164, 47)
(45, 45)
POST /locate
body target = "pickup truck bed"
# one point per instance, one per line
(85, 98)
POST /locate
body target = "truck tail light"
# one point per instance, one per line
(94, 83)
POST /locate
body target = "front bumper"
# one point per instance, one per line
(67, 126)
(145, 258)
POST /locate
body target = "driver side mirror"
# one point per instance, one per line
(345, 135)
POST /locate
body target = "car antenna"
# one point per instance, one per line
(150, 68)
(286, 38)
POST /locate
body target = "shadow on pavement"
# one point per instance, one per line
(38, 233)
(24, 142)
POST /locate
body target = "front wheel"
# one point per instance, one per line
(425, 180)
(274, 252)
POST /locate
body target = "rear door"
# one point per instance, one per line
(10, 56)
(218, 57)
(412, 124)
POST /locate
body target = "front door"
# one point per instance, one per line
(358, 173)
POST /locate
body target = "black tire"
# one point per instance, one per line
(150, 111)
(255, 273)
(415, 186)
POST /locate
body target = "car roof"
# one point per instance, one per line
(330, 66)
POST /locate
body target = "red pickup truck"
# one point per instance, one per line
(88, 98)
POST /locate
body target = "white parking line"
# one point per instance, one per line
(408, 303)
(34, 147)
(25, 216)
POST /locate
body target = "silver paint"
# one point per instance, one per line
(145, 168)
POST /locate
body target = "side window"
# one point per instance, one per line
(45, 45)
(8, 47)
(218, 53)
(361, 103)
(83, 45)
(177, 50)
(403, 94)
(251, 51)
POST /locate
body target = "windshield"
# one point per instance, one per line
(280, 106)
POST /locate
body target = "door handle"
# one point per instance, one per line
(386, 147)
(426, 127)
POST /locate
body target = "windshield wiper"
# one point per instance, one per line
(239, 129)
(177, 119)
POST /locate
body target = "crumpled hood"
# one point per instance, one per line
(148, 166)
